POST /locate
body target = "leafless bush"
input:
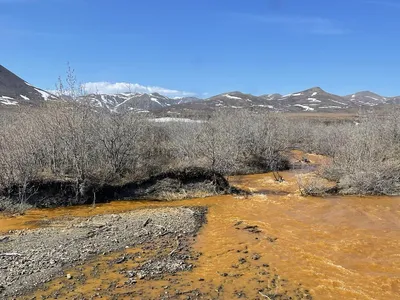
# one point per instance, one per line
(313, 185)
(232, 141)
(8, 206)
(70, 141)
(367, 162)
(74, 142)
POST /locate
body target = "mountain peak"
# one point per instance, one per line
(316, 89)
(366, 93)
(14, 90)
(366, 98)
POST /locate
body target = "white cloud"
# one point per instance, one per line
(123, 87)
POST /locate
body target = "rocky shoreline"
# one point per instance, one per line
(30, 258)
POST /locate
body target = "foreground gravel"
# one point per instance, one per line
(30, 258)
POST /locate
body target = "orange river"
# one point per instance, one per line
(336, 247)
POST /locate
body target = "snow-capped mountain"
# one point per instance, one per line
(133, 101)
(314, 99)
(310, 100)
(238, 100)
(15, 91)
(366, 98)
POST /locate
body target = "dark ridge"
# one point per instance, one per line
(15, 87)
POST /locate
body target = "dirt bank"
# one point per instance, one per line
(30, 258)
(175, 184)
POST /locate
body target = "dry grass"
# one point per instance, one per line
(321, 116)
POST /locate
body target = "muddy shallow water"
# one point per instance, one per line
(335, 247)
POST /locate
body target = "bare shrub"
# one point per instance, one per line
(121, 143)
(231, 141)
(243, 141)
(368, 162)
(313, 185)
(70, 141)
(8, 206)
(77, 143)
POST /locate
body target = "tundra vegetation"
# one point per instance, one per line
(75, 143)
(364, 155)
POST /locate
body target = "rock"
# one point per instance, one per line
(4, 239)
(252, 229)
(256, 256)
(242, 260)
(141, 275)
(69, 276)
(120, 260)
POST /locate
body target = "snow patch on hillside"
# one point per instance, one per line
(338, 102)
(305, 107)
(232, 97)
(313, 100)
(155, 100)
(262, 105)
(169, 119)
(44, 94)
(7, 101)
(332, 106)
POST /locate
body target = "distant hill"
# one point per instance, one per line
(15, 91)
(134, 101)
(314, 99)
(366, 98)
(311, 100)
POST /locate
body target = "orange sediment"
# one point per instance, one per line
(336, 247)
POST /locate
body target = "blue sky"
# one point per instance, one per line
(206, 47)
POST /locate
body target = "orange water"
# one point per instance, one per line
(337, 247)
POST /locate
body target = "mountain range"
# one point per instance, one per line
(14, 91)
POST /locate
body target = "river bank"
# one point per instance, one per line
(30, 258)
